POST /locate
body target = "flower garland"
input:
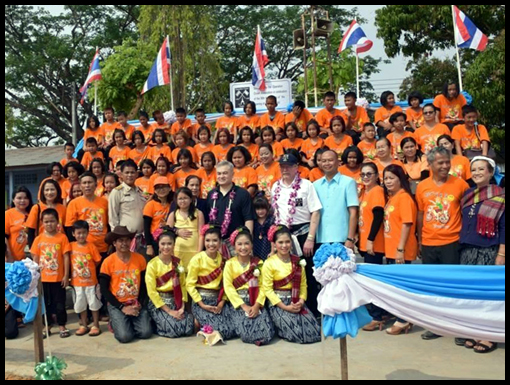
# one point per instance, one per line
(213, 216)
(296, 186)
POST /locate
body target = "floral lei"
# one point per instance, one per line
(296, 185)
(213, 216)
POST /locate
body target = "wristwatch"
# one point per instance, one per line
(400, 250)
(350, 240)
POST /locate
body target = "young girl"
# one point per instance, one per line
(284, 283)
(269, 137)
(244, 176)
(141, 151)
(111, 181)
(98, 168)
(207, 174)
(188, 221)
(269, 171)
(155, 213)
(399, 121)
(72, 172)
(186, 167)
(261, 245)
(162, 170)
(181, 143)
(204, 142)
(143, 183)
(339, 141)
(204, 281)
(93, 131)
(15, 229)
(228, 121)
(461, 166)
(75, 192)
(367, 145)
(317, 172)
(160, 147)
(352, 160)
(120, 151)
(384, 158)
(293, 140)
(313, 143)
(383, 114)
(415, 113)
(242, 283)
(250, 119)
(223, 144)
(415, 164)
(51, 251)
(145, 128)
(166, 285)
(247, 140)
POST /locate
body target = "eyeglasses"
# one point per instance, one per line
(367, 175)
(429, 113)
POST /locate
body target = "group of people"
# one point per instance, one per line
(225, 235)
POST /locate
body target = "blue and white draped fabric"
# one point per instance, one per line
(457, 301)
(21, 281)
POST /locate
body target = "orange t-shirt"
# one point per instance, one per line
(400, 209)
(65, 161)
(253, 122)
(268, 177)
(302, 121)
(50, 251)
(278, 150)
(196, 127)
(147, 132)
(427, 138)
(169, 176)
(186, 127)
(254, 152)
(181, 176)
(97, 134)
(158, 212)
(95, 214)
(278, 122)
(415, 169)
(451, 110)
(324, 117)
(381, 167)
(165, 127)
(108, 129)
(175, 154)
(368, 202)
(128, 130)
(117, 154)
(245, 178)
(358, 120)
(461, 167)
(84, 259)
(309, 149)
(155, 153)
(316, 174)
(208, 181)
(125, 277)
(38, 209)
(339, 148)
(100, 188)
(138, 156)
(442, 211)
(144, 185)
(221, 152)
(201, 150)
(304, 172)
(384, 115)
(368, 149)
(298, 143)
(230, 123)
(16, 231)
(469, 140)
(88, 158)
(346, 171)
(396, 148)
(415, 117)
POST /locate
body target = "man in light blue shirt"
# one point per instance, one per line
(340, 204)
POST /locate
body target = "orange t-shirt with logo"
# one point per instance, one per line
(95, 214)
(268, 177)
(461, 167)
(451, 110)
(277, 123)
(245, 177)
(51, 251)
(186, 127)
(125, 277)
(368, 202)
(309, 149)
(118, 154)
(108, 129)
(253, 122)
(84, 259)
(300, 122)
(221, 152)
(395, 141)
(369, 150)
(469, 140)
(158, 212)
(298, 143)
(201, 150)
(175, 154)
(427, 138)
(138, 156)
(208, 181)
(38, 209)
(16, 231)
(416, 117)
(400, 209)
(181, 176)
(230, 123)
(383, 114)
(442, 211)
(358, 120)
(324, 117)
(339, 148)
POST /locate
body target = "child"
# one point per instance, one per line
(145, 128)
(204, 142)
(415, 113)
(317, 172)
(269, 170)
(250, 119)
(325, 115)
(51, 251)
(355, 117)
(261, 245)
(300, 116)
(228, 121)
(110, 182)
(108, 127)
(383, 114)
(98, 168)
(244, 175)
(200, 118)
(141, 151)
(155, 213)
(72, 173)
(187, 167)
(207, 174)
(181, 140)
(128, 129)
(247, 140)
(120, 151)
(273, 118)
(162, 170)
(91, 153)
(367, 145)
(187, 218)
(160, 124)
(182, 124)
(69, 150)
(352, 160)
(339, 141)
(75, 192)
(143, 183)
(204, 281)
(293, 140)
(398, 120)
(312, 144)
(223, 145)
(93, 130)
(160, 148)
(84, 260)
(269, 137)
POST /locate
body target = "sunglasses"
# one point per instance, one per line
(367, 175)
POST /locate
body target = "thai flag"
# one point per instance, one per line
(468, 34)
(355, 37)
(160, 72)
(94, 74)
(260, 60)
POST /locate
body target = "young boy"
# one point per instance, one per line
(84, 260)
(182, 123)
(200, 118)
(128, 129)
(109, 127)
(69, 150)
(399, 121)
(300, 116)
(91, 153)
(355, 117)
(273, 118)
(325, 115)
(51, 251)
(160, 123)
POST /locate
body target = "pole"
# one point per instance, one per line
(303, 23)
(38, 328)
(344, 362)
(357, 75)
(95, 93)
(459, 68)
(170, 74)
(330, 66)
(312, 13)
(73, 106)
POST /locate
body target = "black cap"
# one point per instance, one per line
(289, 160)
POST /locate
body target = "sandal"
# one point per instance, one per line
(470, 344)
(399, 328)
(486, 348)
(373, 326)
(82, 331)
(64, 333)
(94, 332)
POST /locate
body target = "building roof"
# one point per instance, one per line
(33, 156)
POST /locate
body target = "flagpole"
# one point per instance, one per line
(95, 92)
(357, 74)
(170, 74)
(459, 68)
